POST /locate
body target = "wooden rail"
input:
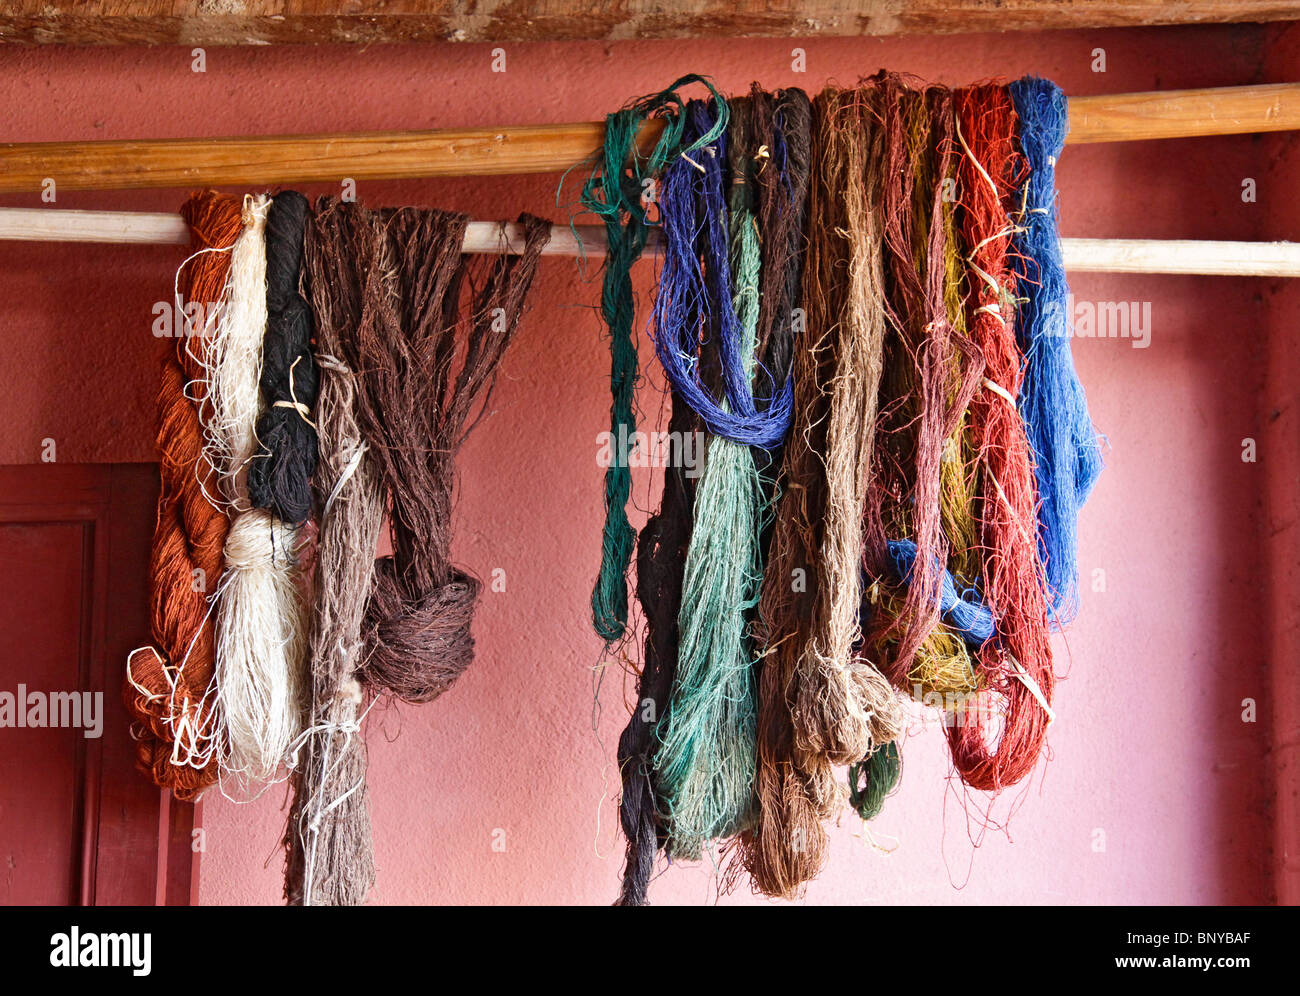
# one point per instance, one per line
(262, 161)
(1273, 259)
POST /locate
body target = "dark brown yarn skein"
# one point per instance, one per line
(434, 326)
(660, 565)
(279, 478)
(782, 127)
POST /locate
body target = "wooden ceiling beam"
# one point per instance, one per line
(261, 22)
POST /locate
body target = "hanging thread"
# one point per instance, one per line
(706, 755)
(1017, 666)
(660, 568)
(433, 327)
(814, 697)
(330, 858)
(932, 372)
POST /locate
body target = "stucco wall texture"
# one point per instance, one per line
(1156, 791)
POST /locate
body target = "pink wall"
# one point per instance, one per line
(1149, 747)
(1281, 433)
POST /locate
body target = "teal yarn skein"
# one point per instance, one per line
(708, 748)
(873, 778)
(615, 191)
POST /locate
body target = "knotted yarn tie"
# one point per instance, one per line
(303, 411)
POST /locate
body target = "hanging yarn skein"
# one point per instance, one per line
(261, 612)
(1067, 455)
(434, 325)
(767, 152)
(844, 708)
(660, 567)
(169, 686)
(932, 370)
(705, 762)
(279, 476)
(735, 415)
(781, 125)
(330, 859)
(620, 191)
(1018, 663)
(803, 624)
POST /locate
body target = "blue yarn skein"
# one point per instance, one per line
(962, 611)
(682, 309)
(1067, 454)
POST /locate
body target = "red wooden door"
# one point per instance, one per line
(79, 825)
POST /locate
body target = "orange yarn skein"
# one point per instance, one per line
(168, 686)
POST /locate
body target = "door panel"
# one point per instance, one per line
(78, 823)
(43, 629)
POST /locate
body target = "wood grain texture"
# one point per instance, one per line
(1129, 117)
(259, 22)
(271, 160)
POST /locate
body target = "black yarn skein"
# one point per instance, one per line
(279, 478)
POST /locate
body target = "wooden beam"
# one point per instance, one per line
(1241, 259)
(269, 160)
(259, 22)
(261, 161)
(1129, 117)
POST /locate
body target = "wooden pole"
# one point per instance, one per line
(262, 161)
(1243, 259)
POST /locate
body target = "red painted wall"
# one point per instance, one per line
(1157, 791)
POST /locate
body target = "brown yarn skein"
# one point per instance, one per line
(434, 325)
